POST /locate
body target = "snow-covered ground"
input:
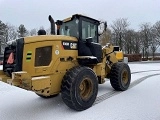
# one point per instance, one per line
(140, 102)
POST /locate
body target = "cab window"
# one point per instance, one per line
(70, 28)
(89, 30)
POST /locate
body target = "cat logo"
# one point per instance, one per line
(73, 45)
(69, 45)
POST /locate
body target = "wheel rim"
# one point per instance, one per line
(124, 77)
(86, 88)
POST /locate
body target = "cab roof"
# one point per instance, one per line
(78, 16)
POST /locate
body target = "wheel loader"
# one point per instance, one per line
(70, 62)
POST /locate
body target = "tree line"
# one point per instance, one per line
(10, 32)
(146, 40)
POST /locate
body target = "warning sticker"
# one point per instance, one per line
(11, 58)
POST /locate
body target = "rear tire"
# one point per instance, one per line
(120, 76)
(79, 88)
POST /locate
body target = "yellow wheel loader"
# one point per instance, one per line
(70, 62)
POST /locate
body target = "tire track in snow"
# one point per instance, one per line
(144, 71)
(105, 96)
(140, 72)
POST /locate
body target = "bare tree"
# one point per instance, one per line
(146, 36)
(119, 28)
(105, 37)
(155, 38)
(137, 43)
(33, 32)
(133, 43)
(129, 40)
(11, 32)
(156, 26)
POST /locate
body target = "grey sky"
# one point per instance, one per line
(34, 13)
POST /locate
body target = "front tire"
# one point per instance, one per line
(120, 76)
(79, 88)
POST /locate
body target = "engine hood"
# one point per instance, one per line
(41, 38)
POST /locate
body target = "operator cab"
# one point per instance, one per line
(81, 27)
(85, 29)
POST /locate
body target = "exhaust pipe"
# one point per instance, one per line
(52, 25)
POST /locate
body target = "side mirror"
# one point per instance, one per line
(105, 25)
(102, 28)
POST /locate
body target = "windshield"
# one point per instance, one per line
(70, 28)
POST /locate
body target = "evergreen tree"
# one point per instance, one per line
(22, 31)
(3, 28)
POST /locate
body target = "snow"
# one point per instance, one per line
(138, 102)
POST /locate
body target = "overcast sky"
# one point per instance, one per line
(34, 13)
